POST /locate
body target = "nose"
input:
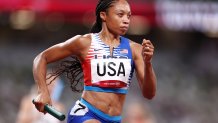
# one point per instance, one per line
(126, 20)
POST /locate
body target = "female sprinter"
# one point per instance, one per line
(107, 61)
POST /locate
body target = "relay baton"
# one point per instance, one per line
(52, 111)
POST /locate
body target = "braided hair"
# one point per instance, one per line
(72, 68)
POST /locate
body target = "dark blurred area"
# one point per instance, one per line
(185, 35)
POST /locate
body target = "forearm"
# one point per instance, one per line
(39, 73)
(149, 82)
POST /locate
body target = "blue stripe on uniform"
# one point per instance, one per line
(98, 89)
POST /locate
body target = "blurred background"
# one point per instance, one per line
(184, 32)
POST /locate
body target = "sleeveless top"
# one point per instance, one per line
(104, 72)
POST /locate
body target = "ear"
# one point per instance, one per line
(103, 16)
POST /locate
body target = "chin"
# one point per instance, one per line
(123, 32)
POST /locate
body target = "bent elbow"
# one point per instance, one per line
(149, 95)
(40, 56)
(35, 60)
(38, 60)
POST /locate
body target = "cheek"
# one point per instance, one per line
(118, 20)
(115, 22)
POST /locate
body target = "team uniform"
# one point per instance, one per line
(104, 72)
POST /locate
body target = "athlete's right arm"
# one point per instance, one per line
(73, 46)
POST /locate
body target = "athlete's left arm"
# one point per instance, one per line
(142, 55)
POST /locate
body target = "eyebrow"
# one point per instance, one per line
(123, 11)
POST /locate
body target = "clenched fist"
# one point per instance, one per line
(147, 50)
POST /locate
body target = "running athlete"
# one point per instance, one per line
(108, 61)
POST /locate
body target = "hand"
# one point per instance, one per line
(147, 50)
(40, 101)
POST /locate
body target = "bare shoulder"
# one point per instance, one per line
(136, 48)
(81, 41)
(77, 43)
(134, 44)
(86, 37)
(80, 44)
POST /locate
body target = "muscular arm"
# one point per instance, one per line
(144, 70)
(74, 46)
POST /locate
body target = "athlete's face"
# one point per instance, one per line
(118, 17)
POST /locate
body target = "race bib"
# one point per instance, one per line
(110, 69)
(79, 109)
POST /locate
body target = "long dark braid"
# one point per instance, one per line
(72, 68)
(73, 71)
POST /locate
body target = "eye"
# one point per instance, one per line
(120, 14)
(129, 16)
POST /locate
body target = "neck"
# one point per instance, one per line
(109, 38)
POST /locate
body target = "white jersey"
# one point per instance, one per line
(108, 72)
